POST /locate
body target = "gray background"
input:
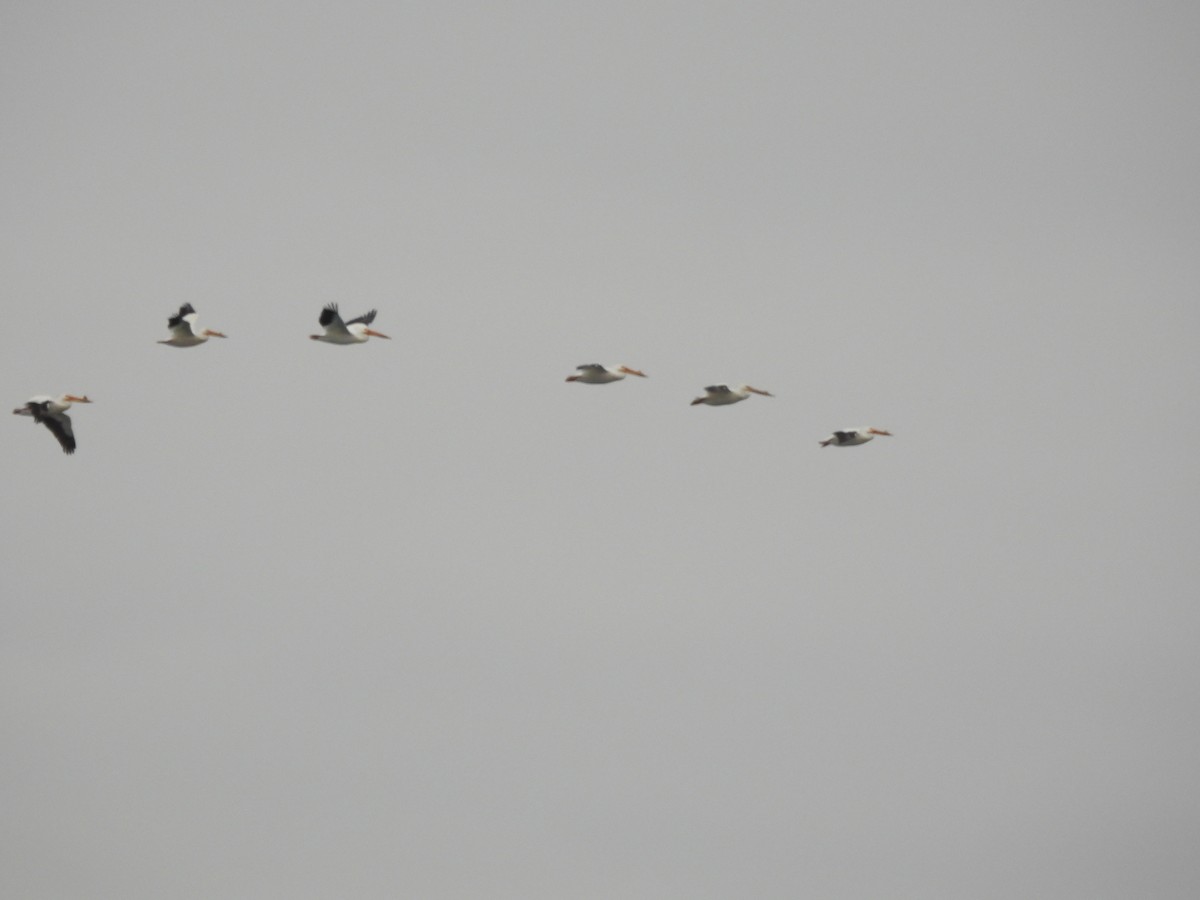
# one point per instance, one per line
(420, 619)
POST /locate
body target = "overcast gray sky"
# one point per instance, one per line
(420, 619)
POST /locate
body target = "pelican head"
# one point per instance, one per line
(754, 390)
(376, 334)
(208, 332)
(71, 398)
(878, 431)
(628, 371)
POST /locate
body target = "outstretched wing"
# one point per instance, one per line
(331, 321)
(181, 322)
(718, 389)
(365, 319)
(59, 425)
(591, 367)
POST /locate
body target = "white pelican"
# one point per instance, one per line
(52, 412)
(184, 332)
(723, 394)
(338, 332)
(594, 373)
(853, 438)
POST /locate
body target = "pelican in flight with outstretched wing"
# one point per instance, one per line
(723, 394)
(52, 412)
(853, 438)
(338, 332)
(594, 373)
(184, 332)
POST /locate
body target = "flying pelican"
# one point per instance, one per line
(338, 332)
(853, 438)
(52, 412)
(594, 373)
(723, 394)
(184, 332)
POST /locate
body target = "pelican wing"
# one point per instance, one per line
(591, 367)
(331, 321)
(719, 389)
(59, 425)
(365, 318)
(181, 323)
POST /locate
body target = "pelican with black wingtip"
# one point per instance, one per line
(356, 331)
(52, 412)
(595, 373)
(723, 394)
(854, 437)
(184, 331)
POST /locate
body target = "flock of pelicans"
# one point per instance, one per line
(52, 411)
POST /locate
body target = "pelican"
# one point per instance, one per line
(723, 394)
(594, 373)
(52, 412)
(853, 438)
(184, 332)
(338, 332)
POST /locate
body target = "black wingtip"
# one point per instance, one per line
(176, 320)
(365, 319)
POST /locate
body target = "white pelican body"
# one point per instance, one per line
(853, 438)
(338, 332)
(52, 412)
(594, 373)
(723, 394)
(184, 332)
